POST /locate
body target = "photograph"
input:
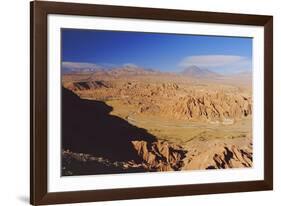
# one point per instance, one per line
(136, 102)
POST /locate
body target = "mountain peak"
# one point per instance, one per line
(195, 71)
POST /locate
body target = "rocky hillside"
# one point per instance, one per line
(153, 156)
(171, 100)
(218, 154)
(217, 106)
(160, 155)
(163, 156)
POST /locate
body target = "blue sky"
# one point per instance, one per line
(164, 52)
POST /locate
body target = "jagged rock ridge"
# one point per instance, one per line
(211, 107)
(160, 155)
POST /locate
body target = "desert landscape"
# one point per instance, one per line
(132, 119)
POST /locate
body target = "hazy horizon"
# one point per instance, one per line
(72, 67)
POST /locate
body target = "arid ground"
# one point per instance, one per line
(137, 120)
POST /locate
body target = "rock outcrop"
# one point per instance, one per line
(160, 155)
(88, 85)
(232, 157)
(221, 156)
(218, 106)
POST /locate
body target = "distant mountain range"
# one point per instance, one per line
(131, 70)
(76, 68)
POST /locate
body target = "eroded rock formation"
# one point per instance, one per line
(160, 155)
(221, 156)
(170, 100)
(211, 107)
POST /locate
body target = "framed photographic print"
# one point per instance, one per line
(131, 102)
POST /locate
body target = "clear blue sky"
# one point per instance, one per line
(165, 52)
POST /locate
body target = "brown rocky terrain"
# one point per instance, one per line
(218, 154)
(162, 156)
(170, 100)
(155, 156)
(136, 120)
